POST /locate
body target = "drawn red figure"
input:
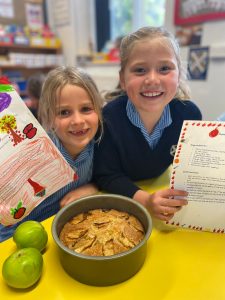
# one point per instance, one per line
(30, 131)
(39, 190)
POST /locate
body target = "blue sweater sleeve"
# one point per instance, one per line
(108, 174)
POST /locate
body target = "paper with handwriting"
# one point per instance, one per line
(199, 168)
(31, 167)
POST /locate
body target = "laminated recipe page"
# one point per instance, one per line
(31, 167)
(199, 168)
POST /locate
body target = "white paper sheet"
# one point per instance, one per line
(199, 168)
(31, 167)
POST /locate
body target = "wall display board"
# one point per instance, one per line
(192, 11)
(14, 12)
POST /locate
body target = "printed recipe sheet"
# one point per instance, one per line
(199, 168)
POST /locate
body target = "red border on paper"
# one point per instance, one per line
(198, 18)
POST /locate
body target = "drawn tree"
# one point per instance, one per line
(8, 125)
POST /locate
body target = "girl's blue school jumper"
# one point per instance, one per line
(124, 155)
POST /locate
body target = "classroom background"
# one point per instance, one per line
(38, 35)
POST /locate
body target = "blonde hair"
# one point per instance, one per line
(168, 40)
(55, 81)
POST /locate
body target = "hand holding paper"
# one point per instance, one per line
(163, 206)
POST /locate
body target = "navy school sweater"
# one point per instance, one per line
(123, 156)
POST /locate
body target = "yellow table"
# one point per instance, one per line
(180, 265)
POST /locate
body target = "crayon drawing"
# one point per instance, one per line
(31, 167)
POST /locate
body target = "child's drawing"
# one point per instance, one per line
(31, 167)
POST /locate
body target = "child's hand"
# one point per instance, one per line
(83, 191)
(163, 206)
(160, 204)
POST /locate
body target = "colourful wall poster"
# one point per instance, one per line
(198, 63)
(31, 167)
(199, 169)
(34, 15)
(192, 11)
(189, 35)
(6, 9)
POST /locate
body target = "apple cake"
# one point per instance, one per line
(102, 232)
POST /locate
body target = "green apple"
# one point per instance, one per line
(23, 268)
(30, 234)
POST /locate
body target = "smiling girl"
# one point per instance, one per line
(142, 126)
(70, 111)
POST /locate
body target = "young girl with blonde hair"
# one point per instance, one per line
(143, 123)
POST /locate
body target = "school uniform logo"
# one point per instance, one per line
(173, 150)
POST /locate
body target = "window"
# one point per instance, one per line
(129, 15)
(115, 18)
